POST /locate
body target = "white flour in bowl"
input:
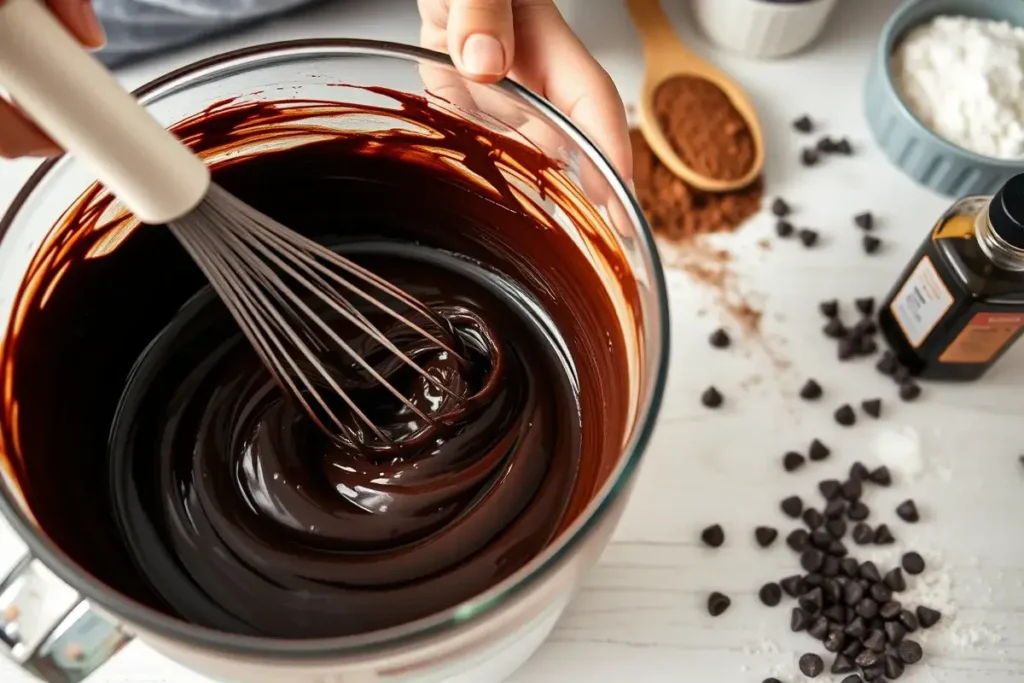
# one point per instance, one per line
(963, 78)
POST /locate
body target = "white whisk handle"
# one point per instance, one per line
(78, 103)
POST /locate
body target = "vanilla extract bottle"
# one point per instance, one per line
(959, 304)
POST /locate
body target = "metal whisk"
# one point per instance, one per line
(272, 279)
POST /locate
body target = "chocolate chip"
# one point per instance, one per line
(874, 641)
(894, 632)
(784, 228)
(811, 665)
(869, 572)
(849, 566)
(814, 580)
(881, 593)
(837, 549)
(852, 679)
(808, 237)
(893, 668)
(867, 346)
(765, 535)
(883, 536)
(836, 527)
(836, 613)
(829, 308)
(859, 471)
(809, 156)
(812, 600)
(844, 147)
(826, 145)
(713, 536)
(866, 305)
(913, 563)
(864, 220)
(863, 534)
(873, 673)
(858, 511)
(799, 620)
(770, 594)
(821, 538)
(834, 641)
(813, 519)
(770, 680)
(792, 506)
(910, 652)
(834, 329)
(853, 593)
(793, 585)
(866, 659)
(810, 391)
(881, 476)
(711, 398)
(793, 461)
(902, 374)
(856, 628)
(852, 489)
(835, 508)
(853, 648)
(928, 617)
(909, 621)
(830, 566)
(818, 451)
(871, 244)
(867, 608)
(848, 347)
(887, 364)
(909, 391)
(803, 124)
(818, 629)
(798, 540)
(720, 339)
(872, 407)
(843, 665)
(780, 208)
(907, 511)
(845, 416)
(812, 559)
(717, 604)
(890, 610)
(830, 488)
(894, 580)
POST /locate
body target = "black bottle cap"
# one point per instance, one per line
(1006, 212)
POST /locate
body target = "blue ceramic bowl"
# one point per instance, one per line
(909, 144)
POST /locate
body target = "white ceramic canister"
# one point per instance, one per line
(763, 28)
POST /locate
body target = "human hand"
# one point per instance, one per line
(529, 41)
(18, 135)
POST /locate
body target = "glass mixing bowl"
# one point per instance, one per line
(487, 637)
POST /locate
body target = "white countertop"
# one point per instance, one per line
(641, 614)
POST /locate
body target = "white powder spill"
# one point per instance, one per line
(899, 448)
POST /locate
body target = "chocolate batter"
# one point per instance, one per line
(152, 445)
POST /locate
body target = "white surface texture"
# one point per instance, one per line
(641, 615)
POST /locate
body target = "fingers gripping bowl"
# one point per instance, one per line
(419, 159)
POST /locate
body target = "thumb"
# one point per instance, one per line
(481, 39)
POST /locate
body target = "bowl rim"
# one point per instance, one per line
(896, 27)
(414, 633)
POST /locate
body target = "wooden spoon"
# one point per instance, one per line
(666, 57)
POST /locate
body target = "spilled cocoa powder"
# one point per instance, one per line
(704, 128)
(679, 212)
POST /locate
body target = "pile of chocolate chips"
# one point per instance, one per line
(851, 607)
(810, 156)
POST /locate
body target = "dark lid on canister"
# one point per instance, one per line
(1006, 212)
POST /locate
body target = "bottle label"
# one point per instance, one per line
(983, 338)
(921, 302)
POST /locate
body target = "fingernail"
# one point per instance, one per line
(483, 55)
(92, 31)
